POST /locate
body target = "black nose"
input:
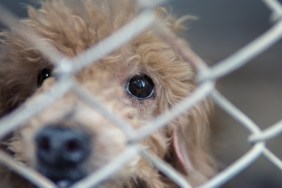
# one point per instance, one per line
(61, 152)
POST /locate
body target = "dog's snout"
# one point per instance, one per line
(62, 147)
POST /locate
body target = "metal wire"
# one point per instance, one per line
(67, 68)
(25, 172)
(166, 169)
(110, 169)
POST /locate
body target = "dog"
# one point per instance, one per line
(69, 140)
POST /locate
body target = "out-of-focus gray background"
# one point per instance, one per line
(223, 27)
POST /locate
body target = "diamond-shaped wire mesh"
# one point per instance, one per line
(207, 77)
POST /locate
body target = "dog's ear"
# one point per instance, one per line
(15, 87)
(189, 148)
(18, 72)
(191, 143)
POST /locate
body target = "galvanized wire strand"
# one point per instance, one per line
(244, 55)
(268, 133)
(119, 38)
(272, 158)
(97, 105)
(66, 68)
(232, 170)
(110, 169)
(166, 169)
(181, 47)
(17, 118)
(275, 7)
(25, 172)
(148, 4)
(39, 43)
(236, 114)
(184, 106)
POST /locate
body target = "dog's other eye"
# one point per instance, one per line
(43, 75)
(140, 86)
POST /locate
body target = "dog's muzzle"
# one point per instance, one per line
(61, 154)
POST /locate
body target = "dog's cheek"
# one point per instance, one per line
(22, 147)
(25, 137)
(107, 144)
(145, 108)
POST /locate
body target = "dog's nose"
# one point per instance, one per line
(61, 154)
(61, 147)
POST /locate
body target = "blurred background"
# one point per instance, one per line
(222, 28)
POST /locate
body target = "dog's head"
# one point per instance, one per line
(139, 81)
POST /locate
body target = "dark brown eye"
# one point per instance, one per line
(141, 86)
(43, 75)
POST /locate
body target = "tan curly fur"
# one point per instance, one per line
(72, 27)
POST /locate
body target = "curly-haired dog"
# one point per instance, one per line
(139, 81)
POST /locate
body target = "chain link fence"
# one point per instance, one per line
(207, 77)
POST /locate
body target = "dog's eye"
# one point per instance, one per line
(43, 75)
(140, 86)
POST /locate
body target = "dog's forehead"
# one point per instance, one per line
(73, 32)
(79, 24)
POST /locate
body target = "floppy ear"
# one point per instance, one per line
(18, 72)
(189, 150)
(191, 144)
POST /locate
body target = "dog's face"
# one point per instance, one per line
(145, 77)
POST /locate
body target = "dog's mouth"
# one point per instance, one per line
(63, 178)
